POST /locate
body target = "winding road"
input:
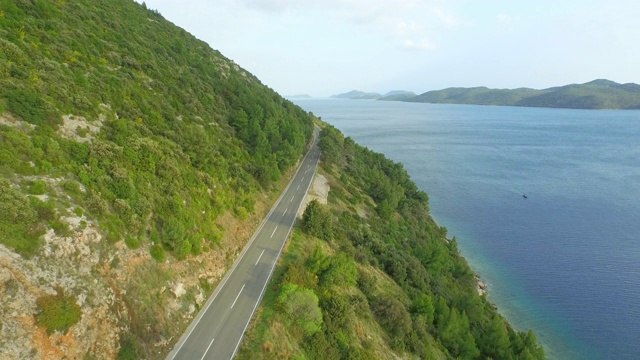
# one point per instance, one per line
(217, 330)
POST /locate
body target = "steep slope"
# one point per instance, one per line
(371, 276)
(134, 163)
(597, 94)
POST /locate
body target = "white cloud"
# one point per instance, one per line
(419, 45)
(446, 18)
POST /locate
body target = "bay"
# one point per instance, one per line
(565, 260)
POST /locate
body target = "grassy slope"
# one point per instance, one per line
(598, 94)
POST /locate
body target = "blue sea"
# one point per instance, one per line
(565, 261)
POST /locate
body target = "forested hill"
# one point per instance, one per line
(134, 162)
(597, 94)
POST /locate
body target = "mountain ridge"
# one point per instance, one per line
(596, 94)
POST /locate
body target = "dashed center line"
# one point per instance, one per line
(293, 197)
(285, 211)
(234, 301)
(274, 231)
(208, 347)
(259, 257)
(298, 188)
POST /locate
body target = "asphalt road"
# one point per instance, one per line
(217, 330)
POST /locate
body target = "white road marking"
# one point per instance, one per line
(293, 197)
(234, 301)
(259, 257)
(285, 211)
(298, 188)
(208, 347)
(274, 231)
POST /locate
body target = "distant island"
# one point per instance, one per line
(395, 95)
(597, 94)
(357, 95)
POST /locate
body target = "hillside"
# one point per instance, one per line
(135, 162)
(597, 94)
(371, 276)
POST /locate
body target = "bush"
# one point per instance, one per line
(157, 252)
(61, 228)
(57, 312)
(20, 228)
(300, 306)
(38, 187)
(128, 349)
(132, 242)
(28, 105)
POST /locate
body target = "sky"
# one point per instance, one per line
(326, 47)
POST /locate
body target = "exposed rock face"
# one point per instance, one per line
(69, 263)
(103, 278)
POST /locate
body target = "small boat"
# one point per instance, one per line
(524, 196)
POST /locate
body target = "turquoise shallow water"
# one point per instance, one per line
(564, 262)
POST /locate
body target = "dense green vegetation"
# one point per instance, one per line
(384, 274)
(597, 94)
(184, 134)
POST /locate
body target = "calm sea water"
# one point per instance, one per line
(564, 262)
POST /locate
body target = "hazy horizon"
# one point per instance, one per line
(335, 46)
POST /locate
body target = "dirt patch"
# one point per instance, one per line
(7, 119)
(79, 128)
(319, 190)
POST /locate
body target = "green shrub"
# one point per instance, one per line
(20, 228)
(128, 349)
(72, 187)
(57, 312)
(38, 187)
(132, 242)
(157, 252)
(60, 227)
(300, 306)
(82, 131)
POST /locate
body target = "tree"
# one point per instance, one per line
(394, 318)
(300, 307)
(317, 222)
